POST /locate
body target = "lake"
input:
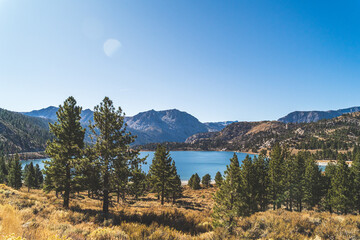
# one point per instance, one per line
(187, 162)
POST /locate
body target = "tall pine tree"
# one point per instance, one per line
(226, 208)
(66, 149)
(218, 179)
(341, 187)
(161, 173)
(30, 176)
(15, 172)
(261, 196)
(247, 197)
(111, 150)
(311, 184)
(276, 176)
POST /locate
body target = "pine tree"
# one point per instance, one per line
(289, 182)
(247, 203)
(138, 180)
(298, 173)
(39, 178)
(355, 168)
(276, 176)
(327, 186)
(91, 173)
(3, 170)
(15, 173)
(111, 149)
(206, 179)
(30, 176)
(175, 181)
(261, 186)
(225, 211)
(341, 187)
(65, 150)
(194, 182)
(218, 179)
(311, 184)
(161, 172)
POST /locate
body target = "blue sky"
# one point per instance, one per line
(218, 60)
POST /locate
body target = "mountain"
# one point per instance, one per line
(150, 126)
(314, 116)
(340, 133)
(19, 133)
(50, 113)
(161, 126)
(217, 126)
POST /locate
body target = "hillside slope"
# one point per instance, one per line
(341, 133)
(19, 133)
(314, 116)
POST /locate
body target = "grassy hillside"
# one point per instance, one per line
(37, 215)
(19, 133)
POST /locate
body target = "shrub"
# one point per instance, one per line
(108, 234)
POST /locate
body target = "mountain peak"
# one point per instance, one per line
(314, 116)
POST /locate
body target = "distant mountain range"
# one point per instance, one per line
(150, 126)
(314, 116)
(29, 131)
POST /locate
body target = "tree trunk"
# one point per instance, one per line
(106, 196)
(162, 194)
(66, 195)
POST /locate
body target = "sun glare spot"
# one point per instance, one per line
(111, 46)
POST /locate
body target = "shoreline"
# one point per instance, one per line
(326, 162)
(42, 154)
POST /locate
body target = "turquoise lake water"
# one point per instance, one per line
(187, 162)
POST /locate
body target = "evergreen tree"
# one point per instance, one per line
(327, 186)
(276, 176)
(341, 187)
(225, 211)
(39, 178)
(261, 165)
(355, 168)
(289, 182)
(194, 182)
(138, 180)
(161, 173)
(15, 173)
(206, 179)
(218, 179)
(176, 188)
(312, 184)
(91, 173)
(111, 150)
(65, 150)
(30, 176)
(247, 204)
(3, 170)
(298, 179)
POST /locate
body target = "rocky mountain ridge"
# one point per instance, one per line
(314, 116)
(149, 126)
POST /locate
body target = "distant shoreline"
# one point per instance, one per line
(42, 154)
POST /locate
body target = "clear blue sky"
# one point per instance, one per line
(218, 60)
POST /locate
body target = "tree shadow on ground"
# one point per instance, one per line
(173, 219)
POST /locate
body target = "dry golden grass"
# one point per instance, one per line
(40, 216)
(37, 215)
